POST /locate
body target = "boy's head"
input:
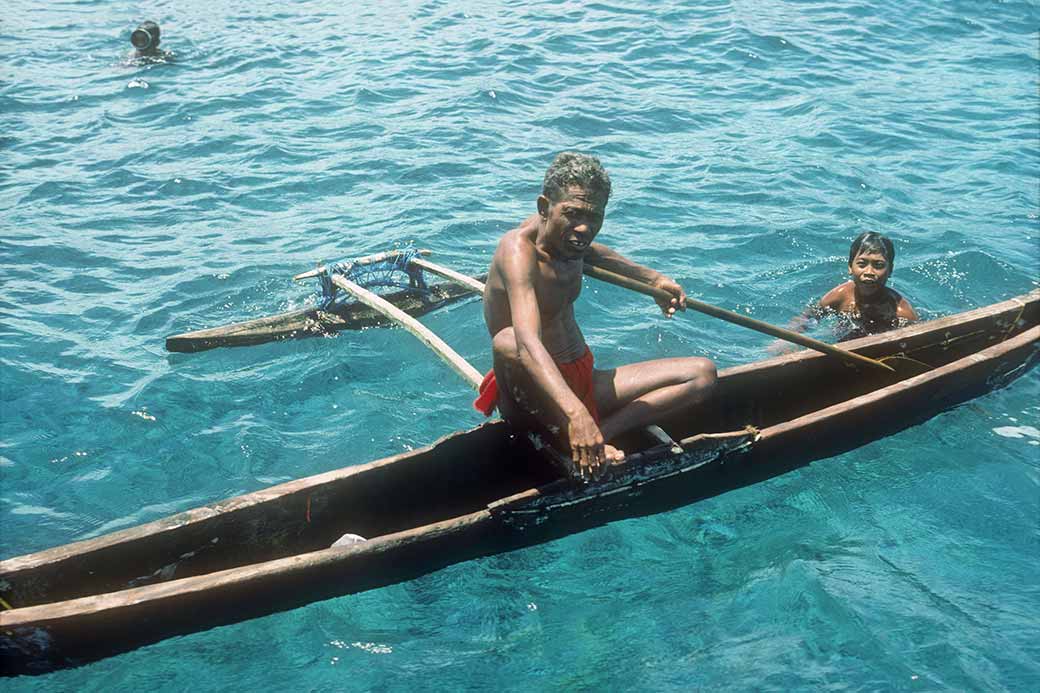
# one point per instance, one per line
(869, 241)
(870, 261)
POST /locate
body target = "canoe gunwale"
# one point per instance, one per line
(40, 615)
(991, 353)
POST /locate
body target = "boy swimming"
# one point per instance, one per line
(864, 302)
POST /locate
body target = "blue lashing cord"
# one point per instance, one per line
(383, 274)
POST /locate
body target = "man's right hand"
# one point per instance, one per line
(587, 449)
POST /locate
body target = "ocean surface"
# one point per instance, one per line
(748, 140)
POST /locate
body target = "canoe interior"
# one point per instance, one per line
(465, 472)
(460, 474)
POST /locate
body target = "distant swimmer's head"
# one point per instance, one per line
(145, 38)
(871, 259)
(573, 200)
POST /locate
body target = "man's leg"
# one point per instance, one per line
(517, 400)
(522, 403)
(641, 394)
(506, 364)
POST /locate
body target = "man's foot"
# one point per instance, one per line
(613, 455)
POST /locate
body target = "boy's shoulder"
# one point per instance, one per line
(902, 306)
(838, 297)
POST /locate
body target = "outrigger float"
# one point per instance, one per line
(485, 491)
(414, 295)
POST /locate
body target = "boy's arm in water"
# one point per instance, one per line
(600, 255)
(836, 300)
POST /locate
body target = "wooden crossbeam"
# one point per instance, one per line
(422, 333)
(450, 274)
(366, 260)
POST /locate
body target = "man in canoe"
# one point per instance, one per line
(542, 366)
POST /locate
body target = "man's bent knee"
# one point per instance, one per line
(512, 403)
(503, 346)
(702, 374)
(704, 369)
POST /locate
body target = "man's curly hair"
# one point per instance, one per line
(575, 168)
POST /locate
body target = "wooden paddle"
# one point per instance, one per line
(730, 316)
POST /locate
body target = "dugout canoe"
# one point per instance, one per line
(314, 322)
(484, 491)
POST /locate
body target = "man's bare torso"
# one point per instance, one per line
(556, 283)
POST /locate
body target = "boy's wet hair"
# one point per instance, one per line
(872, 242)
(574, 168)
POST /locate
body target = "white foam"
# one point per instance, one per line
(1017, 432)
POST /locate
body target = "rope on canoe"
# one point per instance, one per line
(1011, 325)
(394, 272)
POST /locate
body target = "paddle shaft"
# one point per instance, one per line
(730, 316)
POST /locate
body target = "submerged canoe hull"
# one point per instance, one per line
(472, 494)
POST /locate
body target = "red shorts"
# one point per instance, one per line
(577, 374)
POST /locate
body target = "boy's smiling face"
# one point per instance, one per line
(870, 272)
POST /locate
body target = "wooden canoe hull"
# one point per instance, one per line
(477, 493)
(94, 627)
(312, 322)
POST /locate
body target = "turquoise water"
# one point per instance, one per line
(749, 142)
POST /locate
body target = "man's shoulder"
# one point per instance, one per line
(516, 253)
(519, 240)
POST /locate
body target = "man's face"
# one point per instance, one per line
(870, 272)
(573, 222)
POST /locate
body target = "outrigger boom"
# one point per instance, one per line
(421, 332)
